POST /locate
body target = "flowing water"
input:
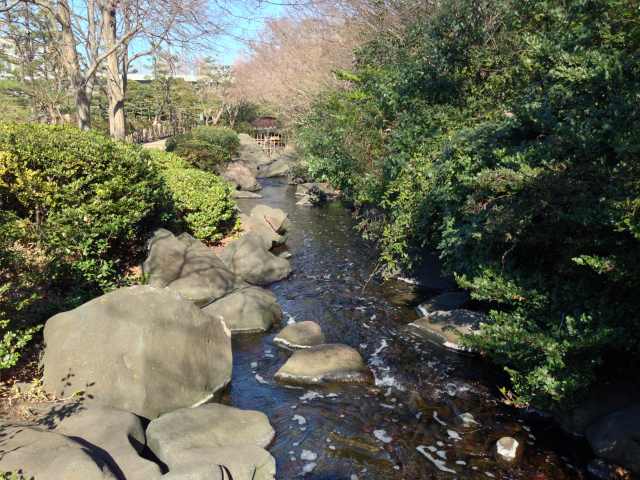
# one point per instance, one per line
(409, 424)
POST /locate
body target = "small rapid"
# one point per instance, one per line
(430, 414)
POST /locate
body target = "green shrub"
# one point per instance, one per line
(205, 147)
(77, 208)
(505, 138)
(202, 199)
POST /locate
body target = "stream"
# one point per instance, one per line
(409, 424)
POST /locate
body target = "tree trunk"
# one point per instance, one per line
(83, 107)
(116, 79)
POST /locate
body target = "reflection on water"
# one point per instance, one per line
(431, 413)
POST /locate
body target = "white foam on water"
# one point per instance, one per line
(453, 435)
(390, 407)
(437, 419)
(254, 364)
(311, 395)
(300, 419)
(260, 379)
(439, 443)
(383, 345)
(409, 280)
(382, 436)
(442, 454)
(460, 462)
(439, 464)
(308, 455)
(489, 474)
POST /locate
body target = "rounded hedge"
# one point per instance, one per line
(85, 200)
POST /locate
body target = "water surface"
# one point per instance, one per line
(408, 425)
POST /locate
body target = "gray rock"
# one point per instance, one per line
(140, 349)
(248, 310)
(276, 218)
(243, 462)
(616, 438)
(241, 176)
(196, 472)
(46, 455)
(327, 190)
(243, 194)
(330, 363)
(447, 327)
(187, 266)
(248, 258)
(305, 201)
(172, 436)
(507, 449)
(300, 335)
(260, 227)
(445, 301)
(118, 433)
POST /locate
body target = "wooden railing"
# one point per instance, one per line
(156, 132)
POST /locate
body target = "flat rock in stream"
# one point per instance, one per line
(447, 327)
(243, 194)
(444, 301)
(141, 349)
(248, 310)
(248, 258)
(300, 335)
(214, 434)
(188, 267)
(329, 363)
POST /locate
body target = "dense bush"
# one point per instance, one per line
(76, 209)
(205, 147)
(503, 134)
(202, 200)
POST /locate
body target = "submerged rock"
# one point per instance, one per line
(187, 266)
(243, 194)
(248, 258)
(140, 349)
(212, 435)
(300, 335)
(507, 449)
(446, 328)
(248, 310)
(616, 437)
(330, 363)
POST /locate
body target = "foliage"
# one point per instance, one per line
(202, 199)
(205, 147)
(501, 133)
(76, 210)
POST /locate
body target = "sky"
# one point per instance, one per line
(248, 23)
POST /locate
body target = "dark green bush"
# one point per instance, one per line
(205, 147)
(202, 200)
(503, 134)
(76, 210)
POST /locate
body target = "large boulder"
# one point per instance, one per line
(116, 432)
(187, 266)
(249, 310)
(447, 327)
(262, 229)
(330, 363)
(300, 335)
(248, 258)
(241, 176)
(275, 217)
(616, 438)
(140, 349)
(45, 455)
(214, 434)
